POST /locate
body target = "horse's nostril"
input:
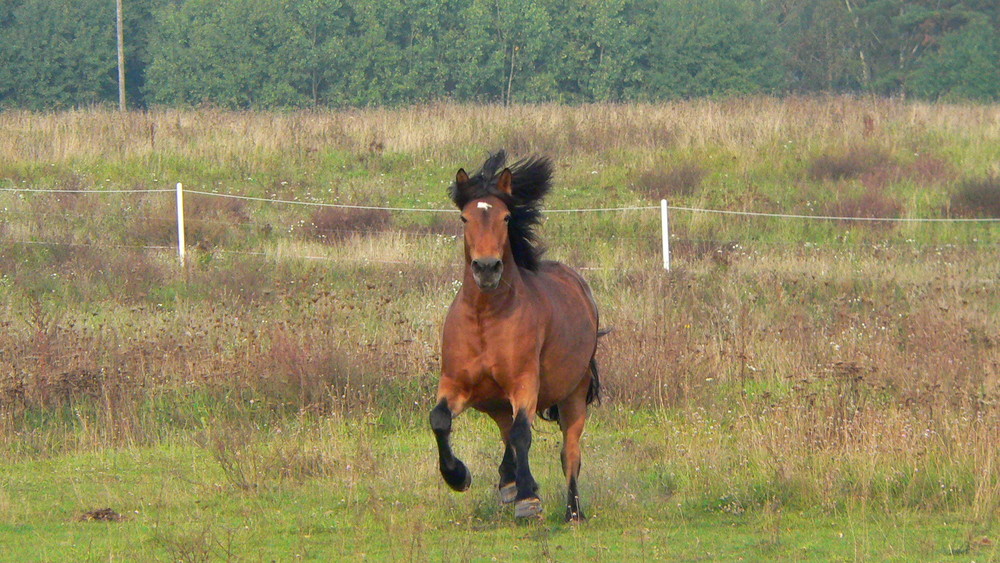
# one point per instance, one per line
(487, 265)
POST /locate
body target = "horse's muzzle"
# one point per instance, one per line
(487, 272)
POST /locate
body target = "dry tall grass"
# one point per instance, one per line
(450, 132)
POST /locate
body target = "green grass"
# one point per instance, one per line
(334, 488)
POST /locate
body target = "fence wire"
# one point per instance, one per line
(333, 233)
(571, 210)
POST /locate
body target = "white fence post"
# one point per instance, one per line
(666, 234)
(180, 223)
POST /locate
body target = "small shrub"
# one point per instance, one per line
(595, 134)
(977, 198)
(850, 163)
(881, 176)
(306, 374)
(678, 180)
(152, 223)
(209, 221)
(13, 390)
(245, 280)
(443, 224)
(925, 170)
(928, 169)
(333, 224)
(868, 204)
(127, 273)
(69, 386)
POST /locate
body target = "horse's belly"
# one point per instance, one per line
(558, 382)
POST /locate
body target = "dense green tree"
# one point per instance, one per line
(524, 35)
(320, 27)
(139, 24)
(375, 76)
(965, 65)
(592, 55)
(58, 54)
(820, 43)
(870, 45)
(293, 53)
(7, 52)
(712, 47)
(236, 53)
(433, 29)
(910, 33)
(473, 55)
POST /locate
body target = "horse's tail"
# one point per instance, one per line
(593, 392)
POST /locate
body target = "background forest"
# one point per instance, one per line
(260, 54)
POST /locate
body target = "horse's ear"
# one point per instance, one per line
(505, 183)
(457, 191)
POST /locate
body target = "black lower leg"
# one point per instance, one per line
(452, 469)
(508, 466)
(520, 441)
(573, 511)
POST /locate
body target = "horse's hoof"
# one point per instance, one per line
(508, 493)
(457, 477)
(528, 508)
(575, 517)
(465, 484)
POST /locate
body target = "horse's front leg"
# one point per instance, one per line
(452, 469)
(527, 504)
(508, 465)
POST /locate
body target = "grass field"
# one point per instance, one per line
(791, 389)
(347, 489)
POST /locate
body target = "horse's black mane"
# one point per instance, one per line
(530, 183)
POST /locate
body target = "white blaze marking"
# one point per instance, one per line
(483, 205)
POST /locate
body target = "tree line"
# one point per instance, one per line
(258, 54)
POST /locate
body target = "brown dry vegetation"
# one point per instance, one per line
(332, 224)
(978, 198)
(668, 181)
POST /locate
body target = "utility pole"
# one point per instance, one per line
(121, 58)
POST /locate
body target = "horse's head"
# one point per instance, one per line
(486, 220)
(499, 207)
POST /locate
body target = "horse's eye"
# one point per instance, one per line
(506, 218)
(464, 220)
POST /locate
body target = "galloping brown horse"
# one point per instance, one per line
(520, 337)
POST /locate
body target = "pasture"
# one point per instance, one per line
(798, 389)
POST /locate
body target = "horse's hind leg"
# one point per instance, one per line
(508, 465)
(452, 469)
(572, 416)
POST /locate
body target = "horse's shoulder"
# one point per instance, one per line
(550, 266)
(557, 274)
(559, 270)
